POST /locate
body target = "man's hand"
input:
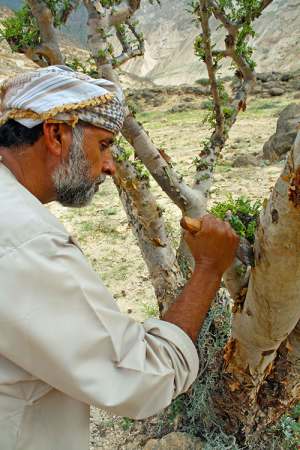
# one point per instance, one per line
(214, 245)
(213, 248)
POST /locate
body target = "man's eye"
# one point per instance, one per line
(103, 147)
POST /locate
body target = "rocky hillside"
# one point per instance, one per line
(170, 31)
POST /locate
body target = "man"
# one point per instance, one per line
(64, 345)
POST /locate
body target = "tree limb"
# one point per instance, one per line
(123, 12)
(211, 69)
(129, 51)
(145, 218)
(65, 12)
(49, 47)
(210, 152)
(189, 201)
(220, 15)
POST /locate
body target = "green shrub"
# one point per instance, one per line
(242, 215)
(21, 31)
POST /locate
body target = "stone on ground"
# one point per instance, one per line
(280, 143)
(175, 441)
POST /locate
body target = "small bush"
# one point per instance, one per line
(203, 81)
(241, 213)
(21, 31)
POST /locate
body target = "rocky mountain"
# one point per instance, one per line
(170, 31)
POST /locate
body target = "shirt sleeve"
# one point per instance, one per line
(59, 323)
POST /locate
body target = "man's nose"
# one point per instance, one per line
(109, 167)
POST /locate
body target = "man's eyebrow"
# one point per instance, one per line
(109, 141)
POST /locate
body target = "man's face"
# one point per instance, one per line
(89, 161)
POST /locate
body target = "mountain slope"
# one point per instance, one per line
(169, 34)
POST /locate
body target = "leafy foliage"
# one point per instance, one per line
(88, 67)
(242, 10)
(21, 31)
(210, 117)
(289, 429)
(241, 213)
(142, 172)
(58, 9)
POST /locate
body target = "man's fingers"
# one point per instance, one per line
(191, 225)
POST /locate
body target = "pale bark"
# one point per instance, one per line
(265, 328)
(128, 50)
(145, 218)
(188, 200)
(48, 52)
(123, 12)
(272, 307)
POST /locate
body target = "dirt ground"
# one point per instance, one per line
(108, 243)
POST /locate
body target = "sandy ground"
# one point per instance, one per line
(108, 243)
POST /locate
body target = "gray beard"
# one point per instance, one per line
(72, 180)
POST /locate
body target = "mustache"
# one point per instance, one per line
(100, 179)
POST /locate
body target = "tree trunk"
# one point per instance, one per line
(261, 360)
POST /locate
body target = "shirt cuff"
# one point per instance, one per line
(179, 338)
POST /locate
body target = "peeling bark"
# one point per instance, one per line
(145, 218)
(261, 360)
(189, 201)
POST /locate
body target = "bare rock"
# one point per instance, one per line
(175, 441)
(276, 91)
(264, 77)
(257, 89)
(286, 77)
(244, 161)
(280, 143)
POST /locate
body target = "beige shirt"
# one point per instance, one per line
(64, 345)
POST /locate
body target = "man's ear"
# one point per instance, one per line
(58, 138)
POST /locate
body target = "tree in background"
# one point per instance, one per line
(250, 352)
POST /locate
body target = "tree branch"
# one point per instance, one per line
(64, 13)
(129, 51)
(123, 12)
(49, 47)
(211, 150)
(145, 218)
(124, 57)
(211, 69)
(189, 201)
(220, 15)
